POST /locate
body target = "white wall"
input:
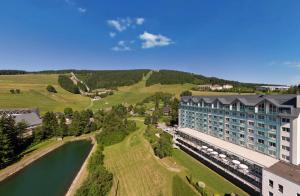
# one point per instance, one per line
(289, 188)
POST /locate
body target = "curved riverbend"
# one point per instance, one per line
(50, 175)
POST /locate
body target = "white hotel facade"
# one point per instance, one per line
(249, 139)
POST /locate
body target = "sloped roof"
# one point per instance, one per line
(250, 100)
(31, 119)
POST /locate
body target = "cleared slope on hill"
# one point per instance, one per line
(34, 93)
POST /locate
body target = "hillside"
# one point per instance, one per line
(34, 93)
(111, 78)
(180, 77)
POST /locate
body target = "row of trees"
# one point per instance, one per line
(11, 140)
(111, 78)
(160, 141)
(53, 125)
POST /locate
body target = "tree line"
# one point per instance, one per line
(12, 142)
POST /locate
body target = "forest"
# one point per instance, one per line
(179, 77)
(66, 83)
(111, 78)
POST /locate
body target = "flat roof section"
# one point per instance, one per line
(255, 157)
(286, 170)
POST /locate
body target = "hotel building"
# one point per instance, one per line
(245, 138)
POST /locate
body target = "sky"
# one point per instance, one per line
(244, 40)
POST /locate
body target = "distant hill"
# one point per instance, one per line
(96, 79)
(180, 77)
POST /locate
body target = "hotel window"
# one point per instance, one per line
(272, 108)
(270, 193)
(285, 148)
(272, 144)
(285, 157)
(286, 129)
(261, 133)
(250, 130)
(250, 116)
(273, 136)
(251, 123)
(280, 188)
(261, 141)
(261, 107)
(251, 108)
(242, 136)
(242, 129)
(285, 138)
(242, 106)
(261, 117)
(242, 115)
(272, 152)
(285, 120)
(260, 125)
(251, 138)
(272, 127)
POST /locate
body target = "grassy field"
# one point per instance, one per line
(214, 182)
(137, 92)
(180, 188)
(139, 172)
(34, 93)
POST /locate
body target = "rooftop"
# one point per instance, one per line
(251, 100)
(242, 152)
(286, 170)
(31, 119)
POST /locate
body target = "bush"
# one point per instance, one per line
(12, 91)
(18, 91)
(186, 93)
(51, 89)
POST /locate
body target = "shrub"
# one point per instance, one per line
(18, 91)
(51, 89)
(12, 91)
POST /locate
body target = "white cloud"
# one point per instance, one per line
(121, 46)
(292, 63)
(81, 10)
(140, 21)
(152, 40)
(70, 2)
(112, 34)
(121, 24)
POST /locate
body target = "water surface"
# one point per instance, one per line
(50, 175)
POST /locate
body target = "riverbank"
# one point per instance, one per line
(83, 172)
(35, 155)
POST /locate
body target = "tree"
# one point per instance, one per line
(68, 112)
(49, 125)
(8, 140)
(18, 91)
(186, 93)
(12, 91)
(63, 128)
(51, 89)
(174, 111)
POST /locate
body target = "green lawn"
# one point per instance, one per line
(181, 188)
(34, 93)
(139, 172)
(214, 182)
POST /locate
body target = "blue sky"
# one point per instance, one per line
(245, 40)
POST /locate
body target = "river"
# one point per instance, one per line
(50, 175)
